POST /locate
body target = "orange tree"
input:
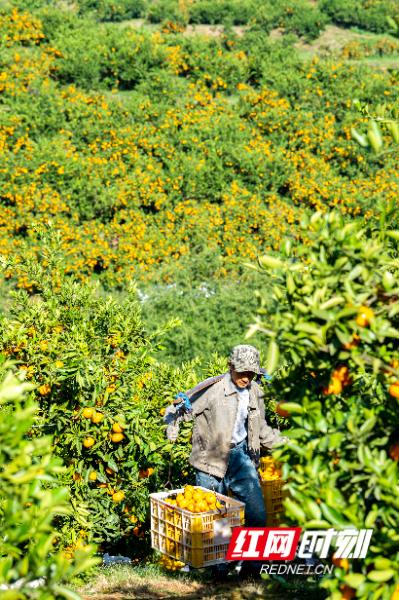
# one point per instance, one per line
(334, 333)
(101, 395)
(30, 500)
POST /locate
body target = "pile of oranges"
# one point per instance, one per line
(269, 470)
(340, 378)
(170, 563)
(195, 500)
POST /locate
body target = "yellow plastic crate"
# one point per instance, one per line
(197, 539)
(273, 492)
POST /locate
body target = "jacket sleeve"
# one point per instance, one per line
(268, 437)
(174, 415)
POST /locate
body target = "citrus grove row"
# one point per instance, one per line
(333, 334)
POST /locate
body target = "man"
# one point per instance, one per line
(229, 430)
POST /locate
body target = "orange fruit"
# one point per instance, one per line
(341, 373)
(97, 417)
(394, 389)
(334, 387)
(210, 497)
(117, 428)
(88, 442)
(197, 495)
(395, 595)
(353, 343)
(143, 473)
(280, 410)
(183, 503)
(188, 492)
(150, 471)
(88, 412)
(117, 437)
(202, 506)
(190, 506)
(93, 476)
(347, 592)
(133, 519)
(364, 316)
(394, 451)
(44, 389)
(343, 563)
(118, 497)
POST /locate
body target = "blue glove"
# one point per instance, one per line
(184, 401)
(264, 375)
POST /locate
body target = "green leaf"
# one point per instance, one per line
(333, 516)
(293, 408)
(381, 576)
(272, 358)
(359, 138)
(295, 510)
(374, 136)
(270, 262)
(66, 593)
(354, 580)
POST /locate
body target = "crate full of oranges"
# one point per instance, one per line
(272, 488)
(193, 524)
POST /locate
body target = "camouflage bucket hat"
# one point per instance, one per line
(245, 358)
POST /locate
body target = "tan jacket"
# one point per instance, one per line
(214, 412)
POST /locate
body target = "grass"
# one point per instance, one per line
(124, 582)
(151, 582)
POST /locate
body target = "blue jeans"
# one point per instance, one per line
(243, 481)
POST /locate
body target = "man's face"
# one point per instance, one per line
(241, 379)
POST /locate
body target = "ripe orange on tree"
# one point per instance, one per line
(88, 412)
(394, 389)
(334, 387)
(347, 592)
(117, 437)
(343, 563)
(394, 451)
(88, 442)
(97, 417)
(93, 476)
(44, 389)
(117, 428)
(280, 410)
(364, 316)
(355, 341)
(118, 497)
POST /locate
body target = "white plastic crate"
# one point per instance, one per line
(197, 539)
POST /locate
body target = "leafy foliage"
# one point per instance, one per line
(372, 16)
(30, 501)
(335, 327)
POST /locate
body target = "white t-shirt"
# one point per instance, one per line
(239, 430)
